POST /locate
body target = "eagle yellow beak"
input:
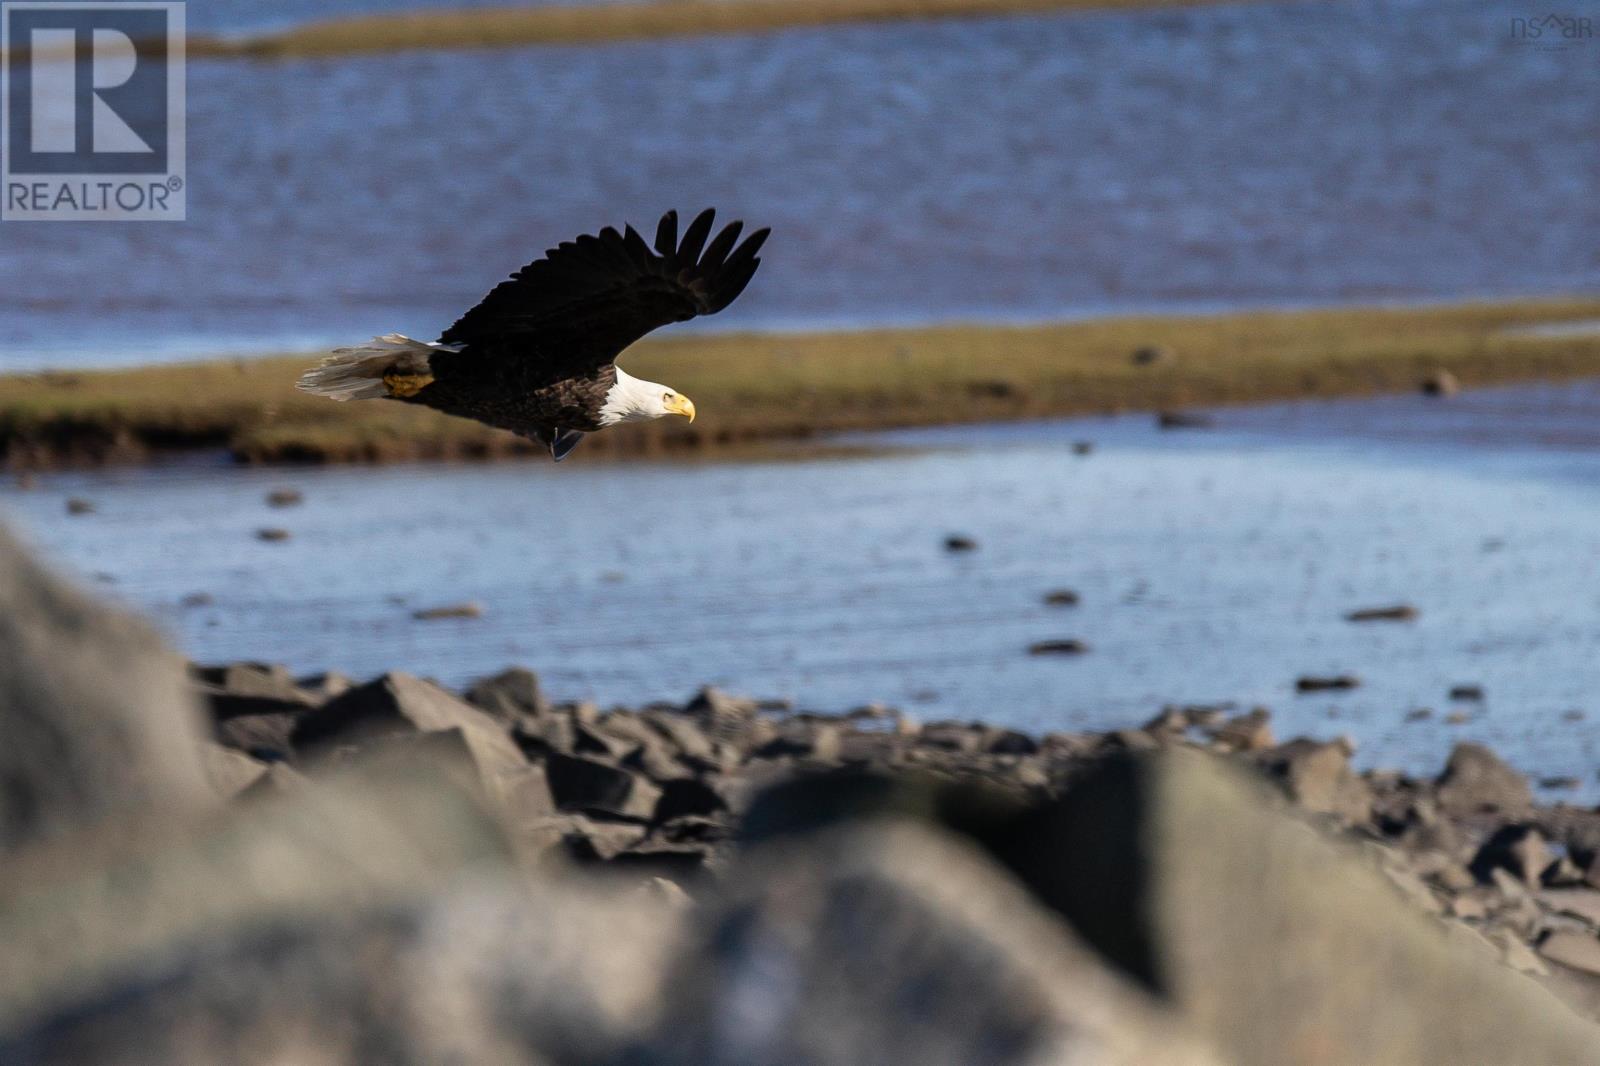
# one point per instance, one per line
(681, 405)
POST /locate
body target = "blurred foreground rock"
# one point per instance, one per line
(391, 873)
(95, 715)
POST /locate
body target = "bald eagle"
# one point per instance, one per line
(538, 355)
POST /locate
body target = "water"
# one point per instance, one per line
(1212, 565)
(1040, 167)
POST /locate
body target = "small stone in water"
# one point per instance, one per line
(454, 610)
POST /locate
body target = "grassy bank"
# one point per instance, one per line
(764, 388)
(592, 23)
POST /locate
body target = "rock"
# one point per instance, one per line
(1457, 718)
(1519, 849)
(1562, 873)
(1246, 732)
(229, 772)
(241, 939)
(264, 680)
(1183, 420)
(801, 741)
(687, 797)
(1151, 355)
(1560, 783)
(1011, 742)
(277, 782)
(398, 704)
(893, 943)
(721, 716)
(1131, 740)
(1467, 693)
(1420, 714)
(687, 737)
(1402, 612)
(79, 506)
(589, 840)
(1180, 872)
(267, 737)
(957, 542)
(1508, 884)
(953, 736)
(452, 610)
(1327, 683)
(1579, 902)
(1516, 953)
(192, 600)
(272, 534)
(667, 893)
(1572, 949)
(324, 686)
(1317, 776)
(1068, 646)
(285, 498)
(653, 858)
(1573, 715)
(1061, 598)
(605, 743)
(1469, 908)
(509, 696)
(1083, 447)
(656, 762)
(1171, 720)
(1412, 887)
(96, 715)
(1440, 383)
(1475, 780)
(587, 786)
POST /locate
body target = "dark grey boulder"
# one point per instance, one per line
(509, 696)
(587, 785)
(398, 704)
(1327, 683)
(686, 797)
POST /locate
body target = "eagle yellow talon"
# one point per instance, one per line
(404, 386)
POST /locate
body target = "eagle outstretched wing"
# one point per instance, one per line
(590, 298)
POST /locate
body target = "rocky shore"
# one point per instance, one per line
(231, 864)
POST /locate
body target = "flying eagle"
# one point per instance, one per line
(538, 355)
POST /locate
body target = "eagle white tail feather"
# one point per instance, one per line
(359, 373)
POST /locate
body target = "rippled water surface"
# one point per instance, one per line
(1355, 150)
(1212, 565)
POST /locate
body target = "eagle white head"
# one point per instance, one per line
(633, 399)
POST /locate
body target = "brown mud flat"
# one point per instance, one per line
(767, 393)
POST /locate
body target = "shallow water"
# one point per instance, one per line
(1212, 565)
(1040, 167)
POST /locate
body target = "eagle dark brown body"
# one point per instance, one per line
(538, 355)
